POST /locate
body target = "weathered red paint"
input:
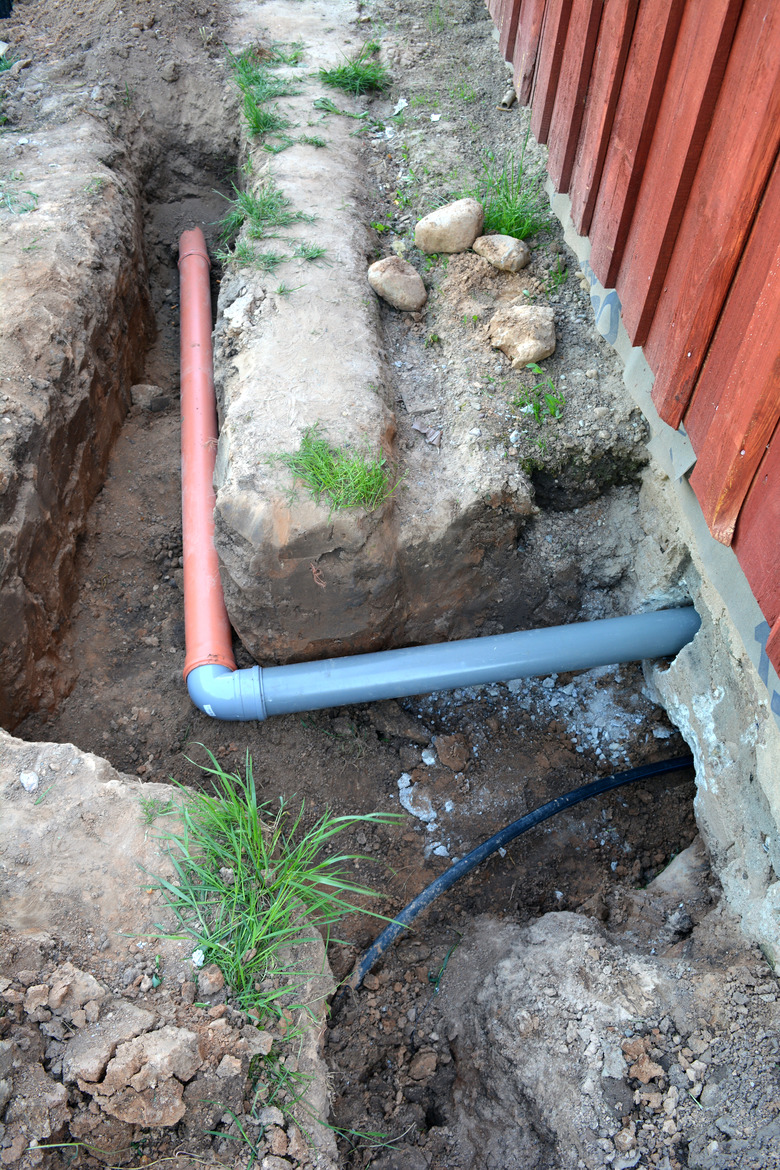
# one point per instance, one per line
(691, 88)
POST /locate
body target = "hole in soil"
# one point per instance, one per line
(515, 747)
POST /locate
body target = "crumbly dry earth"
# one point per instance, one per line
(411, 1061)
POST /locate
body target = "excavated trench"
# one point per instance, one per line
(101, 664)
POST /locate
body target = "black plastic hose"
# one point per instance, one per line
(460, 868)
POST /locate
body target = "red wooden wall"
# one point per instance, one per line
(662, 119)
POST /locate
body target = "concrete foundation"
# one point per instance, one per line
(721, 691)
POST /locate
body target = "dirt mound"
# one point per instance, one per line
(111, 1037)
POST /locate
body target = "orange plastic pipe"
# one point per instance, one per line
(206, 626)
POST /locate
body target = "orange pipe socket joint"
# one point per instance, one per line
(206, 625)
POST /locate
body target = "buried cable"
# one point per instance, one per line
(460, 868)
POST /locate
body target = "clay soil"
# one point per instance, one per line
(491, 754)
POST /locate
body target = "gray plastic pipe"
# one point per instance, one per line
(223, 692)
(257, 692)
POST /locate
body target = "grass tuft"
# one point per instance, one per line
(252, 75)
(13, 199)
(513, 197)
(347, 479)
(250, 879)
(283, 142)
(310, 252)
(361, 73)
(245, 255)
(282, 53)
(261, 210)
(260, 121)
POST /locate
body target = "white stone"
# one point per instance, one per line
(399, 283)
(452, 228)
(503, 252)
(28, 781)
(525, 333)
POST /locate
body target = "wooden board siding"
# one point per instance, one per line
(646, 72)
(662, 119)
(693, 83)
(609, 62)
(735, 164)
(737, 402)
(506, 23)
(529, 30)
(570, 99)
(552, 44)
(756, 542)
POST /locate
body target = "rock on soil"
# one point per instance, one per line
(398, 283)
(574, 1045)
(503, 252)
(451, 228)
(525, 333)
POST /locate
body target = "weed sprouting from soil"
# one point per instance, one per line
(260, 121)
(282, 143)
(361, 73)
(541, 400)
(347, 479)
(245, 255)
(153, 807)
(282, 53)
(512, 196)
(261, 210)
(250, 880)
(253, 75)
(313, 140)
(310, 252)
(11, 198)
(329, 107)
(557, 276)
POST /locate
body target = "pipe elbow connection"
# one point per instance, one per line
(228, 694)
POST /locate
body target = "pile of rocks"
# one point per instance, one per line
(112, 1030)
(79, 1061)
(525, 333)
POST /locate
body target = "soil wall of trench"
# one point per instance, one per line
(97, 179)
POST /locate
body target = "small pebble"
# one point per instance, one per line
(29, 781)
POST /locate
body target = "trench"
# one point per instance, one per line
(499, 752)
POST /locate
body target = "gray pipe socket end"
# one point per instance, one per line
(416, 670)
(228, 694)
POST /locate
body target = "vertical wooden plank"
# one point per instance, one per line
(738, 155)
(691, 90)
(548, 72)
(749, 411)
(526, 50)
(756, 542)
(647, 69)
(570, 99)
(507, 27)
(736, 403)
(609, 62)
